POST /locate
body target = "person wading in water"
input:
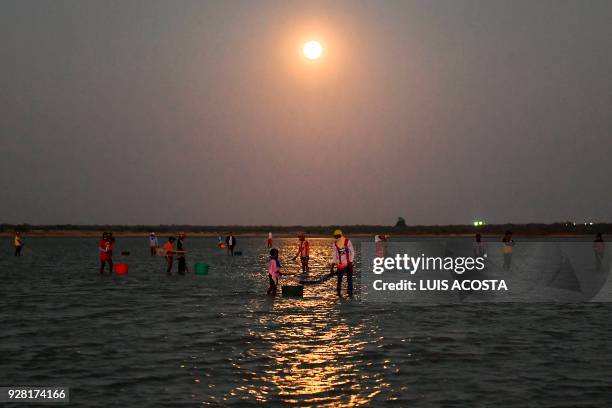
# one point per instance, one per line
(153, 244)
(303, 251)
(105, 248)
(508, 248)
(182, 262)
(230, 242)
(343, 256)
(18, 243)
(169, 252)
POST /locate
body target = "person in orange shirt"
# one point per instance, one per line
(303, 251)
(169, 252)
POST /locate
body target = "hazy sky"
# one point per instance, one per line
(207, 113)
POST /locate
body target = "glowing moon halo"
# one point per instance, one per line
(312, 50)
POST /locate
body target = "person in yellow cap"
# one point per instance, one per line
(343, 256)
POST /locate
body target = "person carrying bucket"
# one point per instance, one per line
(343, 256)
(18, 243)
(303, 251)
(105, 249)
(182, 262)
(153, 243)
(169, 252)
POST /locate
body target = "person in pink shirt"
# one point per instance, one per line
(274, 272)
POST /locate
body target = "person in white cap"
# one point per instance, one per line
(380, 244)
(153, 243)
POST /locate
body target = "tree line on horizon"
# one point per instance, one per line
(398, 228)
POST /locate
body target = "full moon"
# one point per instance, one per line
(312, 50)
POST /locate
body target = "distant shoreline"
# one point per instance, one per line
(97, 234)
(558, 229)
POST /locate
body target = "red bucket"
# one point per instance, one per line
(121, 269)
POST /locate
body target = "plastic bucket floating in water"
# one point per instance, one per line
(121, 269)
(293, 291)
(201, 269)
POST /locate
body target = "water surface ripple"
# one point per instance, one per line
(151, 340)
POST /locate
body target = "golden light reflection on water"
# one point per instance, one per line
(315, 345)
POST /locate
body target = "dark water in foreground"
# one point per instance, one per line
(150, 340)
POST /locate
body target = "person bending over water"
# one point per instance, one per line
(343, 256)
(105, 248)
(18, 243)
(274, 271)
(303, 251)
(169, 252)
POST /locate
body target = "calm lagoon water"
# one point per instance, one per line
(151, 340)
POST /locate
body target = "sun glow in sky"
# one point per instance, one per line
(313, 50)
(395, 91)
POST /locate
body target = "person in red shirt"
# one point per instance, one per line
(303, 251)
(105, 248)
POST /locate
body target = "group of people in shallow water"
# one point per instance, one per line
(480, 249)
(229, 242)
(343, 254)
(274, 265)
(168, 251)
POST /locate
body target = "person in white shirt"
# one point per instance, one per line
(269, 242)
(153, 243)
(380, 244)
(230, 242)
